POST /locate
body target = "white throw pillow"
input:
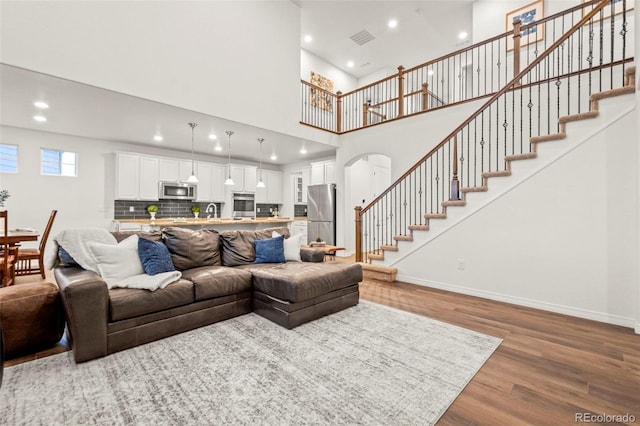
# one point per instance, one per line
(117, 262)
(291, 246)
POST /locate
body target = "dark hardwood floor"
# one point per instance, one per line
(548, 369)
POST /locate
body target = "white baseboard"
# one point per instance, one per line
(536, 304)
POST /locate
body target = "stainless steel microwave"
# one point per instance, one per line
(178, 191)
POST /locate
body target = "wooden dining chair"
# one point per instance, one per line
(27, 257)
(9, 255)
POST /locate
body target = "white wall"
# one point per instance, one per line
(564, 240)
(342, 81)
(404, 141)
(231, 59)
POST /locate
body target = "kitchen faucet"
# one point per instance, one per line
(209, 209)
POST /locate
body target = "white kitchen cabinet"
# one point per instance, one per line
(300, 227)
(244, 178)
(148, 180)
(306, 179)
(136, 177)
(173, 170)
(297, 185)
(211, 179)
(127, 172)
(272, 192)
(218, 176)
(168, 170)
(323, 172)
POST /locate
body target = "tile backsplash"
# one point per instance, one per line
(299, 210)
(166, 208)
(266, 210)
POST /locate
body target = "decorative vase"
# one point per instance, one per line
(153, 215)
(196, 214)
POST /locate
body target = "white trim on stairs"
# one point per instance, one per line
(432, 235)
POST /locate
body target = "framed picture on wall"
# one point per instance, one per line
(526, 14)
(614, 7)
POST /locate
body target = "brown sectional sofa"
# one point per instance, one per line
(219, 281)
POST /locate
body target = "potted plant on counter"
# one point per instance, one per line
(196, 211)
(152, 210)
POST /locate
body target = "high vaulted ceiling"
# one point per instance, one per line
(426, 29)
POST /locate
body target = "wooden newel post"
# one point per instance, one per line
(400, 91)
(455, 184)
(358, 233)
(425, 96)
(365, 114)
(517, 36)
(339, 112)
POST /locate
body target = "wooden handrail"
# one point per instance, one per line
(586, 17)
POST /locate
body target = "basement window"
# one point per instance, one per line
(58, 163)
(8, 158)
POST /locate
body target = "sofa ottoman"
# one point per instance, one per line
(293, 293)
(32, 317)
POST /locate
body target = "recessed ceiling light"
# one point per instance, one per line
(157, 138)
(303, 150)
(350, 64)
(41, 105)
(392, 23)
(274, 157)
(40, 118)
(463, 35)
(308, 38)
(217, 147)
(212, 136)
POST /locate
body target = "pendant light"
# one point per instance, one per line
(192, 178)
(260, 182)
(229, 181)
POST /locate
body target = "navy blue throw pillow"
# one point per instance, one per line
(270, 250)
(66, 259)
(154, 256)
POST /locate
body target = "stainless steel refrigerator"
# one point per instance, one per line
(321, 213)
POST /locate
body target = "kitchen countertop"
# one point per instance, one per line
(184, 221)
(300, 218)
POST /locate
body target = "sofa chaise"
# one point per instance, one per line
(219, 280)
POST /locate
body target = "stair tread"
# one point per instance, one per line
(547, 138)
(613, 92)
(580, 116)
(419, 227)
(435, 216)
(389, 248)
(450, 203)
(497, 173)
(482, 188)
(403, 237)
(375, 256)
(524, 156)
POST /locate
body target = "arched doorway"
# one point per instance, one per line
(365, 177)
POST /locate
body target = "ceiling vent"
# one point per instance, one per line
(363, 37)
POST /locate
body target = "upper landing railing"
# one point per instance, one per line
(473, 72)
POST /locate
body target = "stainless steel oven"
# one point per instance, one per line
(244, 204)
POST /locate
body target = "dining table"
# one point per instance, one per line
(16, 236)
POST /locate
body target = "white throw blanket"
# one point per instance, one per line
(149, 282)
(74, 242)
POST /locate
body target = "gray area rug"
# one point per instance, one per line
(366, 365)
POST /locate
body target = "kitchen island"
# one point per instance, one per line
(220, 224)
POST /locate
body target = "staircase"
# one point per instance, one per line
(516, 133)
(544, 150)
